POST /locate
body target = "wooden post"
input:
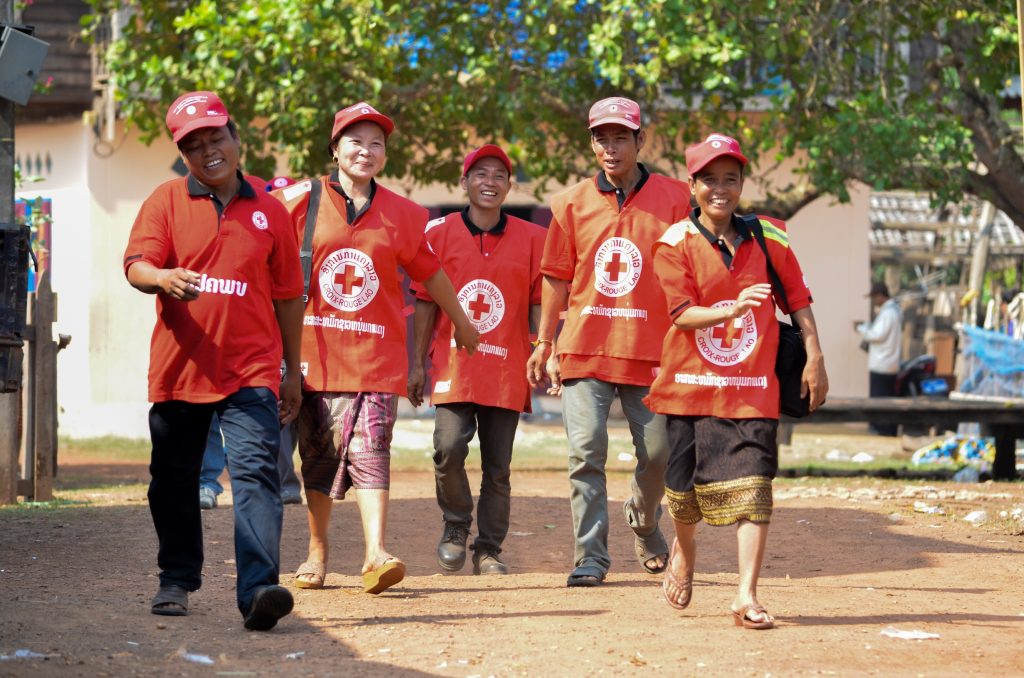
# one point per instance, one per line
(10, 403)
(44, 420)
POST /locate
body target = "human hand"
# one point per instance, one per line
(178, 283)
(535, 365)
(291, 397)
(814, 381)
(466, 337)
(749, 298)
(554, 371)
(416, 379)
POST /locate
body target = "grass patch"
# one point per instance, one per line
(108, 448)
(51, 506)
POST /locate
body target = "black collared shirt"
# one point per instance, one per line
(351, 213)
(606, 186)
(481, 235)
(742, 233)
(200, 190)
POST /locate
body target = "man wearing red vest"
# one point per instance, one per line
(219, 255)
(493, 260)
(597, 268)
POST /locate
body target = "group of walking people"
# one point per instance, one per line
(287, 306)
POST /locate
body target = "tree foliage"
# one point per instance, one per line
(892, 94)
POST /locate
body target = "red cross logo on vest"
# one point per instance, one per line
(484, 304)
(479, 307)
(348, 279)
(723, 335)
(730, 342)
(617, 267)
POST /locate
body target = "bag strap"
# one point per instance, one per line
(306, 252)
(754, 224)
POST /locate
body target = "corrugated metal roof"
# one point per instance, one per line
(905, 222)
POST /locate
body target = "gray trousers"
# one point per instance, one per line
(454, 426)
(585, 406)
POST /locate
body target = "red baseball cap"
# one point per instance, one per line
(278, 182)
(357, 113)
(615, 111)
(715, 146)
(193, 111)
(486, 151)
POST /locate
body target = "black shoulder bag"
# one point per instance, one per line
(306, 251)
(792, 355)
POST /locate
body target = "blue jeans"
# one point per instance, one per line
(180, 431)
(214, 460)
(585, 407)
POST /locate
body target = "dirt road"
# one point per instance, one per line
(847, 559)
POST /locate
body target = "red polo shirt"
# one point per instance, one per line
(228, 338)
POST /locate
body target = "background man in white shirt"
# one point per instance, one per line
(883, 336)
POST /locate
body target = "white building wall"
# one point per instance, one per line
(831, 242)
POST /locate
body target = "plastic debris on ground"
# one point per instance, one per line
(862, 458)
(23, 654)
(976, 517)
(625, 456)
(893, 632)
(970, 451)
(921, 507)
(295, 655)
(195, 658)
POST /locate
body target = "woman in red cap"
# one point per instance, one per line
(354, 359)
(717, 382)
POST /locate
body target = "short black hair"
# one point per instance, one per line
(230, 125)
(636, 134)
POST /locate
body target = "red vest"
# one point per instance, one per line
(495, 292)
(616, 307)
(354, 330)
(728, 370)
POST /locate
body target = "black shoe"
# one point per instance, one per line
(268, 605)
(488, 562)
(451, 551)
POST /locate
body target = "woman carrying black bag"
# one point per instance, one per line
(718, 381)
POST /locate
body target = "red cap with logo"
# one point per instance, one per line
(193, 111)
(486, 151)
(615, 111)
(278, 182)
(715, 146)
(358, 113)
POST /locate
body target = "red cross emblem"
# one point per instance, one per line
(479, 306)
(724, 336)
(349, 279)
(614, 266)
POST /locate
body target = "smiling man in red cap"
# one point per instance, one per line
(354, 356)
(493, 259)
(219, 254)
(597, 268)
(717, 384)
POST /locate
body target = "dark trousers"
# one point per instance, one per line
(179, 431)
(454, 426)
(882, 386)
